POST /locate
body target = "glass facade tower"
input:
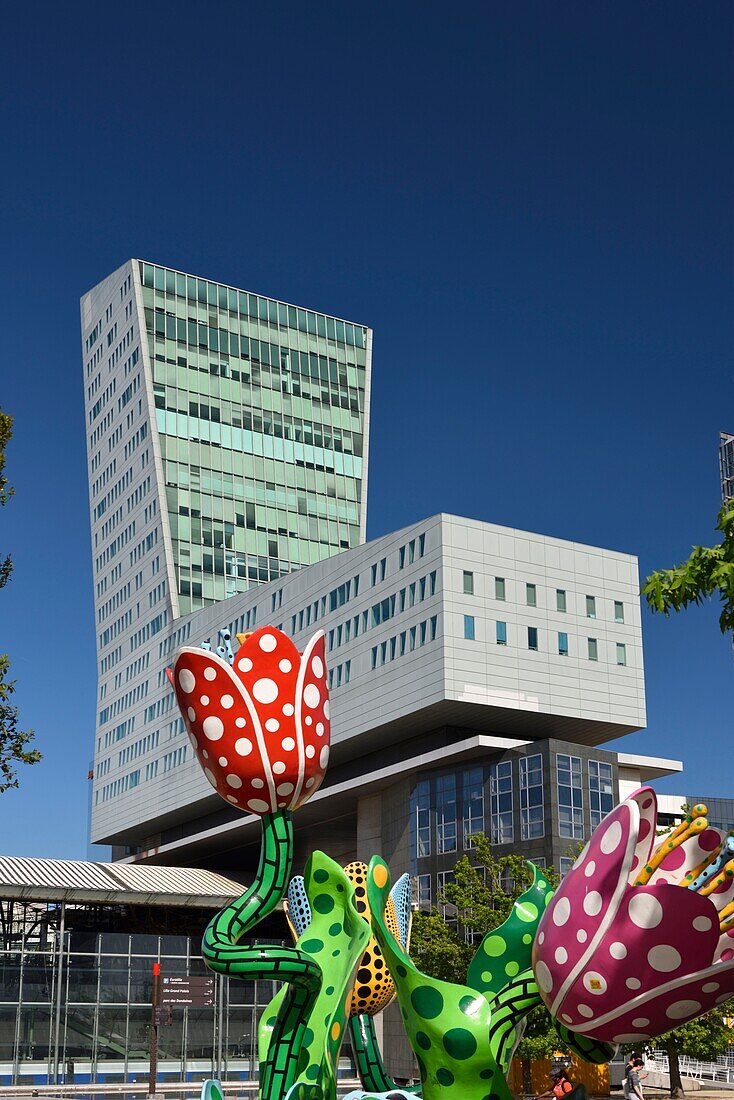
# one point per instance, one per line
(260, 411)
(227, 447)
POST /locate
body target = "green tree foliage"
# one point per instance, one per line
(480, 898)
(14, 742)
(708, 571)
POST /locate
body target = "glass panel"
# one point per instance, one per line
(446, 813)
(570, 797)
(601, 791)
(502, 829)
(473, 800)
(532, 814)
(421, 819)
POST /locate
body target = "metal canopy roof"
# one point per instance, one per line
(79, 882)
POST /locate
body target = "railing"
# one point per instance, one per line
(721, 1071)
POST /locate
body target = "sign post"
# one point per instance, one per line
(155, 1017)
(193, 991)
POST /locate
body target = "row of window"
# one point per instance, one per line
(405, 642)
(176, 284)
(341, 595)
(592, 644)
(451, 828)
(531, 597)
(383, 611)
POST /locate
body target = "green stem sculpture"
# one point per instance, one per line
(368, 1056)
(223, 953)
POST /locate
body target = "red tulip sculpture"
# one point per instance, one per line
(260, 727)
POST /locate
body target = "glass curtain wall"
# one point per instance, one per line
(69, 1015)
(260, 409)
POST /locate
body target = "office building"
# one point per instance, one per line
(227, 445)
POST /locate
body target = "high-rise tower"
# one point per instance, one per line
(227, 446)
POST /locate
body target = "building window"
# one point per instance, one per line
(473, 799)
(591, 607)
(501, 828)
(499, 588)
(446, 813)
(424, 892)
(501, 633)
(531, 595)
(560, 599)
(532, 814)
(532, 637)
(448, 911)
(593, 649)
(570, 797)
(468, 583)
(565, 864)
(618, 611)
(421, 819)
(601, 791)
(562, 643)
(469, 628)
(621, 653)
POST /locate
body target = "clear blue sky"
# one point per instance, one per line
(529, 202)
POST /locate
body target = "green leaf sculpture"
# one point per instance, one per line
(335, 941)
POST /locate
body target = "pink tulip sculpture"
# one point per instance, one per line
(639, 936)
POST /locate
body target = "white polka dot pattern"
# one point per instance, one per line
(267, 715)
(621, 963)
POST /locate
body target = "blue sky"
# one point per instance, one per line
(529, 202)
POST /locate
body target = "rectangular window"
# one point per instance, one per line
(421, 818)
(560, 599)
(446, 813)
(593, 649)
(532, 637)
(618, 611)
(468, 583)
(565, 864)
(601, 791)
(531, 595)
(532, 812)
(424, 891)
(562, 643)
(570, 797)
(448, 911)
(621, 653)
(501, 633)
(501, 828)
(499, 588)
(469, 628)
(591, 607)
(473, 800)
